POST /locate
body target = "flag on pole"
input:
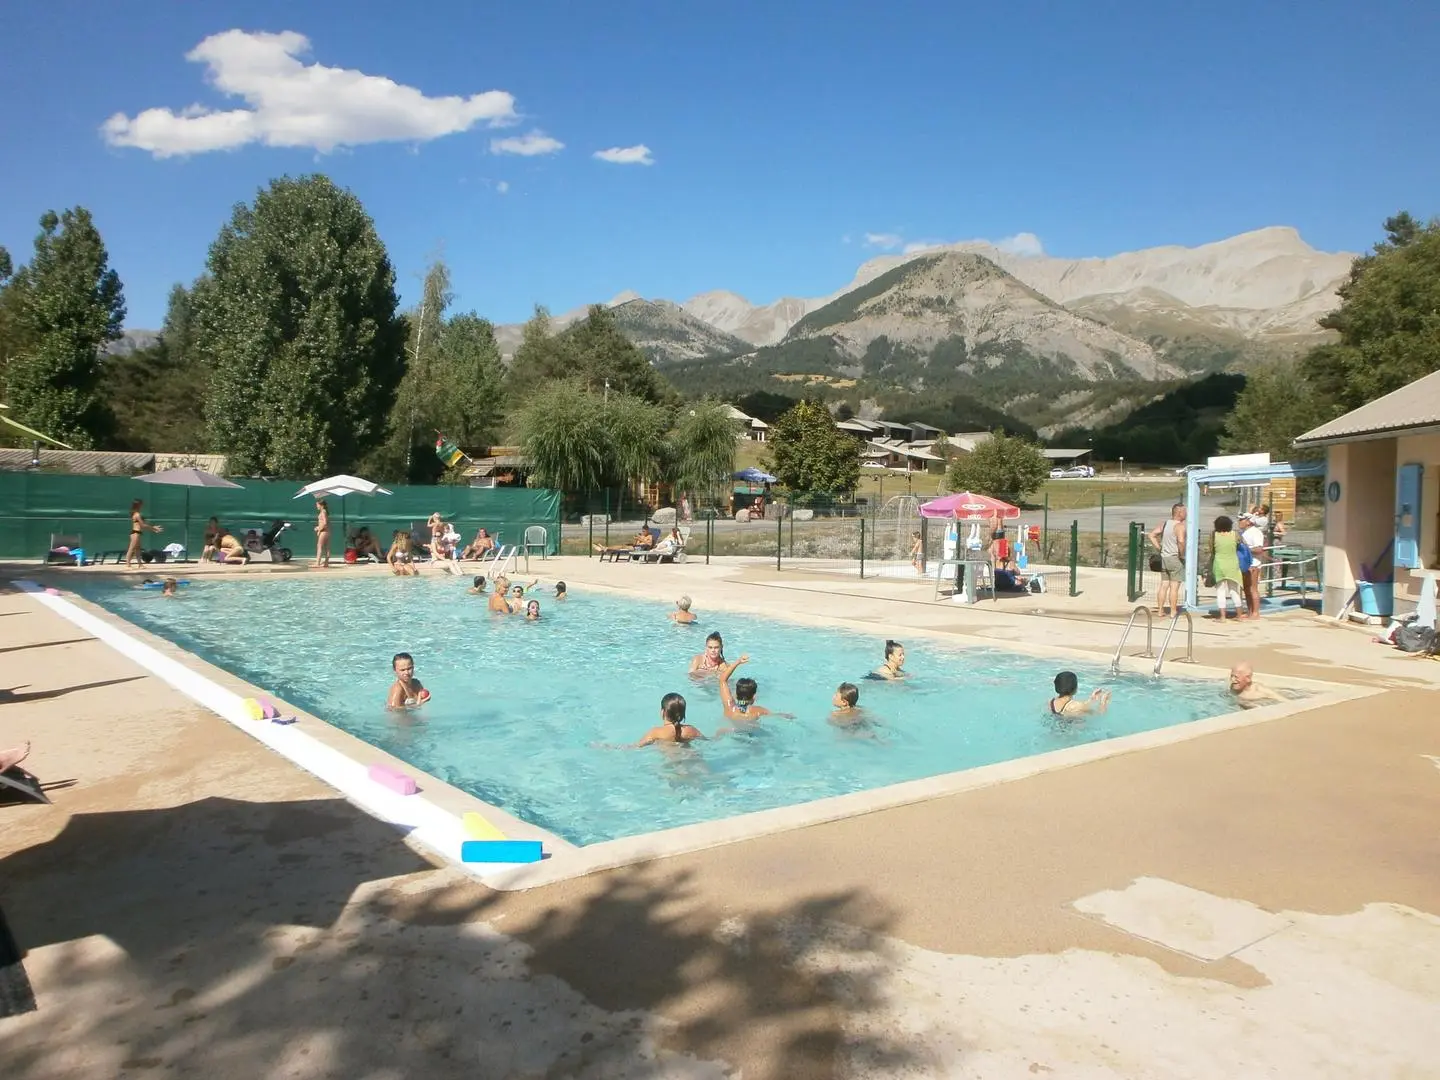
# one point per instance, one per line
(448, 452)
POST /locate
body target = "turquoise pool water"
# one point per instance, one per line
(520, 709)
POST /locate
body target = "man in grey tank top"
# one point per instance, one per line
(1169, 540)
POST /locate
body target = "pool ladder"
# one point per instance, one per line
(1149, 653)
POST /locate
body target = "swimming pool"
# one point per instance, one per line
(524, 714)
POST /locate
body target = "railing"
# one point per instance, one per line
(1189, 657)
(1139, 609)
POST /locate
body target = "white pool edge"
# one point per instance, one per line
(442, 831)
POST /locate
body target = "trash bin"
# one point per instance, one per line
(1375, 597)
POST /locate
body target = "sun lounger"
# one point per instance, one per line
(17, 785)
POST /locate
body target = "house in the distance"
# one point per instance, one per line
(1382, 499)
(751, 429)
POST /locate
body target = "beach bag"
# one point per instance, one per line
(1415, 639)
(1156, 564)
(1247, 560)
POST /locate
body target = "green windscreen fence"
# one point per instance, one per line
(96, 509)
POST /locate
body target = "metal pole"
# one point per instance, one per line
(1102, 528)
(792, 535)
(709, 537)
(591, 518)
(607, 517)
(779, 538)
(1140, 559)
(1074, 558)
(862, 547)
(1045, 530)
(1130, 565)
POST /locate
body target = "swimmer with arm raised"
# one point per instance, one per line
(740, 708)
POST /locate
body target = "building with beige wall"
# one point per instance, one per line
(1382, 494)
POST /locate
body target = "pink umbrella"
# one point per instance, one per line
(967, 506)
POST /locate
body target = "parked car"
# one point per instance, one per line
(1057, 473)
(1074, 472)
(1186, 470)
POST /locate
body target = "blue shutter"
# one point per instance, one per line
(1407, 516)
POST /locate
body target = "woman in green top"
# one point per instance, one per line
(1225, 565)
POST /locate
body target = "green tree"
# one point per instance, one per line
(541, 357)
(298, 325)
(1388, 319)
(1277, 405)
(452, 384)
(158, 392)
(563, 436)
(702, 447)
(809, 455)
(66, 305)
(603, 355)
(1003, 466)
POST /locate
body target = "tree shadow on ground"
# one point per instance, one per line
(304, 939)
(10, 695)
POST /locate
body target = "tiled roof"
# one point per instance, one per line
(108, 462)
(211, 463)
(1415, 405)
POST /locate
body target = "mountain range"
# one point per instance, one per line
(1152, 314)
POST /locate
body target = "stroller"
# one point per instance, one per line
(262, 544)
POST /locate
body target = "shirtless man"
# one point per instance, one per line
(407, 692)
(1247, 692)
(682, 613)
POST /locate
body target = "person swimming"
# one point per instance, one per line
(672, 727)
(1064, 703)
(712, 659)
(477, 587)
(740, 709)
(407, 691)
(682, 613)
(532, 610)
(846, 706)
(500, 599)
(560, 593)
(169, 588)
(894, 663)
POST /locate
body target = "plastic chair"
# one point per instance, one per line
(536, 536)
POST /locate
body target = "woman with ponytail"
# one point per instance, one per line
(672, 727)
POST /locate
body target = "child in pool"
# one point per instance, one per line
(407, 691)
(532, 610)
(672, 727)
(1064, 703)
(740, 708)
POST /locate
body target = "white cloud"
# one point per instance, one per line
(922, 245)
(502, 186)
(885, 241)
(291, 103)
(626, 155)
(1025, 243)
(531, 144)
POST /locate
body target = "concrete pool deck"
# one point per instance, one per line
(1258, 901)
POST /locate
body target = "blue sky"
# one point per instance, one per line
(776, 132)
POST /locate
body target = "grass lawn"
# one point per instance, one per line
(1085, 494)
(876, 485)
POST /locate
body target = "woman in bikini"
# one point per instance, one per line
(894, 665)
(138, 526)
(672, 727)
(712, 660)
(1064, 703)
(399, 555)
(406, 692)
(322, 534)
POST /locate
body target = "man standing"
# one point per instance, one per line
(1168, 539)
(1252, 535)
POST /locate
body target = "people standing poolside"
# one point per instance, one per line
(138, 527)
(1225, 566)
(322, 534)
(1067, 685)
(1247, 692)
(407, 691)
(893, 667)
(1168, 538)
(1252, 535)
(672, 727)
(917, 551)
(712, 659)
(682, 613)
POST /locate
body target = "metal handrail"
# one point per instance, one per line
(1139, 609)
(1189, 657)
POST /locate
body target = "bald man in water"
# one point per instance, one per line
(1247, 692)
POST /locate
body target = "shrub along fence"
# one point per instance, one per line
(35, 505)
